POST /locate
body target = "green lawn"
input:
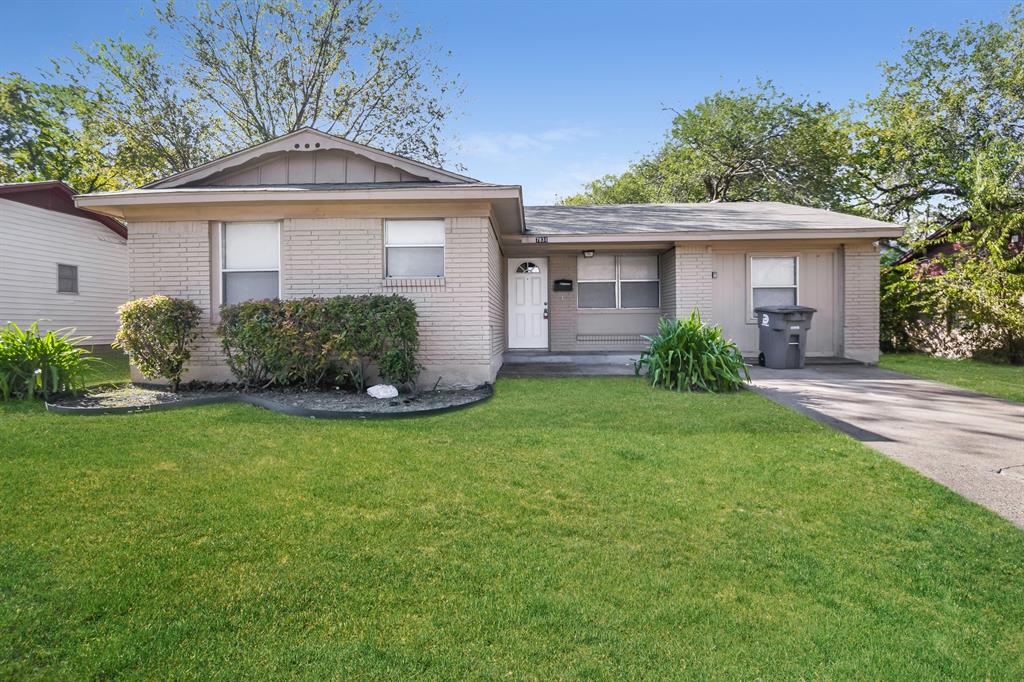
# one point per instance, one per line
(1001, 381)
(576, 528)
(112, 369)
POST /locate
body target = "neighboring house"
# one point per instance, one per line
(59, 264)
(309, 214)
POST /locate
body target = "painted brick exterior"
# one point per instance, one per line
(693, 266)
(860, 302)
(173, 259)
(461, 316)
(496, 306)
(667, 273)
(562, 304)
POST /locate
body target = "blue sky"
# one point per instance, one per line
(559, 93)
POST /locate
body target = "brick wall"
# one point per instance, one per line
(173, 259)
(333, 256)
(667, 273)
(497, 286)
(562, 304)
(860, 302)
(693, 266)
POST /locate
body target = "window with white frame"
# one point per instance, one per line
(250, 261)
(414, 248)
(773, 280)
(618, 282)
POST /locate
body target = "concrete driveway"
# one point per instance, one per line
(968, 442)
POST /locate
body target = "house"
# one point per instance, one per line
(59, 264)
(309, 214)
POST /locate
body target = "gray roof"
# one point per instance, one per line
(652, 218)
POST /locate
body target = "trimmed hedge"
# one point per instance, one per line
(321, 341)
(157, 332)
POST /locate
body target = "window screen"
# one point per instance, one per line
(67, 279)
(618, 282)
(250, 262)
(596, 295)
(773, 280)
(414, 248)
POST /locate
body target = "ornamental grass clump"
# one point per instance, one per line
(34, 364)
(688, 355)
(157, 332)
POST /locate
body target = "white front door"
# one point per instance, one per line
(528, 302)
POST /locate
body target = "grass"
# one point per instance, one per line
(579, 528)
(1001, 381)
(113, 369)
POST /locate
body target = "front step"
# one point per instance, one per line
(574, 358)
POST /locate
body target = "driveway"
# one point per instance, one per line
(968, 442)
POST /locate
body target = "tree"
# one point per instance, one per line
(49, 132)
(123, 114)
(942, 147)
(155, 127)
(747, 145)
(270, 67)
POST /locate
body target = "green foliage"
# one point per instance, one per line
(152, 126)
(687, 355)
(41, 364)
(320, 341)
(157, 332)
(746, 145)
(230, 543)
(943, 146)
(50, 132)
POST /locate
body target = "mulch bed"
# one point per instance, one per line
(326, 404)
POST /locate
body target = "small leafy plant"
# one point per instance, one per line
(157, 332)
(34, 364)
(688, 355)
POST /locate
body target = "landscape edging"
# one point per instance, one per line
(267, 404)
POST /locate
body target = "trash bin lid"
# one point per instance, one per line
(783, 309)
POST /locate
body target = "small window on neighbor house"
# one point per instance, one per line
(67, 279)
(250, 261)
(773, 280)
(414, 248)
(618, 282)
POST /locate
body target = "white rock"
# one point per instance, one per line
(382, 391)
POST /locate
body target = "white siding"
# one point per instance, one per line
(32, 242)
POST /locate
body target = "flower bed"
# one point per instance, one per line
(325, 404)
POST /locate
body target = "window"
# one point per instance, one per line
(618, 282)
(67, 279)
(528, 268)
(414, 248)
(250, 261)
(773, 280)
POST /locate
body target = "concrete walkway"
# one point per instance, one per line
(968, 442)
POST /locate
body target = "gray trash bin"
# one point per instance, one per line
(783, 335)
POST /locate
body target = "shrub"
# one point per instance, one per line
(157, 332)
(31, 363)
(687, 355)
(320, 341)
